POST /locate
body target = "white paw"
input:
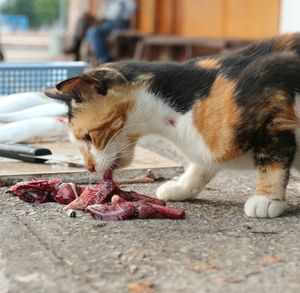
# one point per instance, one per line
(172, 190)
(261, 206)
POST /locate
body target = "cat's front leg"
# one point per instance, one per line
(189, 185)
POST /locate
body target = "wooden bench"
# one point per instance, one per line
(188, 47)
(123, 43)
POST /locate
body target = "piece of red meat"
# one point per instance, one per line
(116, 210)
(68, 192)
(105, 202)
(103, 193)
(39, 190)
(120, 209)
(42, 190)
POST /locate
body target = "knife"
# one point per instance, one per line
(32, 154)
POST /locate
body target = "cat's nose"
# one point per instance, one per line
(92, 168)
(89, 164)
(89, 161)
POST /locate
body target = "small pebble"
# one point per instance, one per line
(119, 254)
(133, 269)
(71, 213)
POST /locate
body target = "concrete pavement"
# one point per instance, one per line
(215, 249)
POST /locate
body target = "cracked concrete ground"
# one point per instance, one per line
(215, 249)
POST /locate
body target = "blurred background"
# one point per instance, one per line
(40, 30)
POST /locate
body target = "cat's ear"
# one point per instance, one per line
(66, 90)
(81, 88)
(106, 79)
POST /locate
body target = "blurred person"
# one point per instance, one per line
(1, 54)
(83, 23)
(115, 15)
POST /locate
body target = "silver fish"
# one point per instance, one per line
(35, 129)
(21, 101)
(45, 110)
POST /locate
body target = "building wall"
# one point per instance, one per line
(289, 16)
(232, 19)
(251, 19)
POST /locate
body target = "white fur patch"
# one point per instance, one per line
(262, 206)
(185, 137)
(189, 184)
(173, 191)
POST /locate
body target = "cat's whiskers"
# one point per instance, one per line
(111, 158)
(108, 159)
(110, 145)
(117, 132)
(121, 151)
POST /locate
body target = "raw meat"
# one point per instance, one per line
(42, 190)
(120, 209)
(103, 193)
(106, 202)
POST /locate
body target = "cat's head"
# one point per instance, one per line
(99, 105)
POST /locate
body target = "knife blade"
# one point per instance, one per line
(32, 154)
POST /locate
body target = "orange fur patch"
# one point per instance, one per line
(209, 64)
(102, 116)
(271, 181)
(286, 118)
(216, 117)
(88, 158)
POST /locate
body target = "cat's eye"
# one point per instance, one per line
(87, 137)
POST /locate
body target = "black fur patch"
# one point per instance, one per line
(178, 84)
(278, 71)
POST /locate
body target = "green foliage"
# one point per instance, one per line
(40, 12)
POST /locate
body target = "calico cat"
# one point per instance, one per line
(219, 111)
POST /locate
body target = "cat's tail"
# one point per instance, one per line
(275, 72)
